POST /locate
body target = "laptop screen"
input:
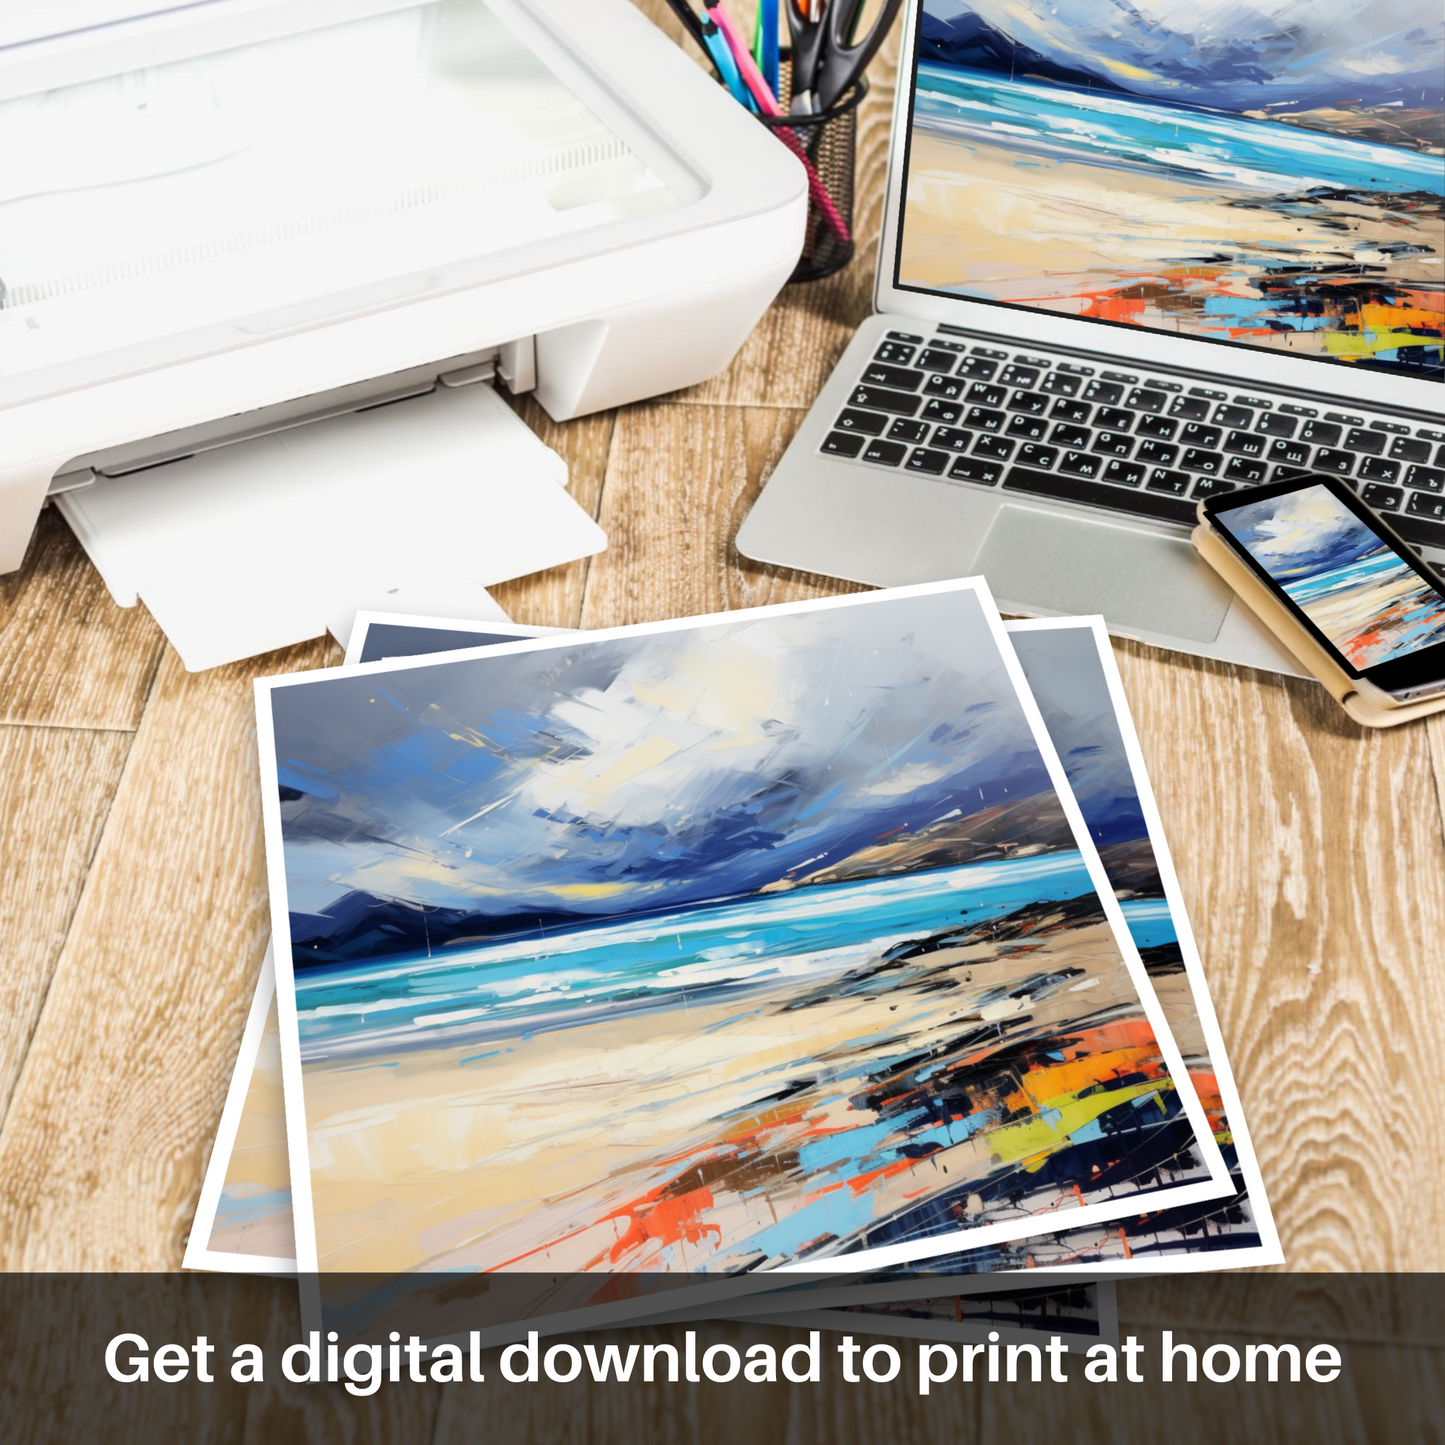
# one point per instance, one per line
(1269, 174)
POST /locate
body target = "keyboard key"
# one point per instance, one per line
(1115, 418)
(1245, 444)
(954, 438)
(1031, 428)
(983, 419)
(1060, 383)
(895, 353)
(948, 387)
(877, 374)
(1075, 411)
(1289, 474)
(1371, 443)
(1195, 435)
(867, 422)
(1377, 469)
(1204, 391)
(1071, 436)
(1107, 392)
(1112, 444)
(958, 347)
(1423, 505)
(1320, 432)
(1124, 474)
(843, 444)
(1332, 459)
(1127, 377)
(977, 368)
(886, 454)
(1144, 399)
(1406, 449)
(877, 398)
(1235, 416)
(1274, 425)
(935, 360)
(1242, 469)
(1430, 434)
(1419, 531)
(1189, 408)
(985, 395)
(1292, 454)
(981, 351)
(1099, 494)
(1035, 403)
(1345, 418)
(1440, 457)
(1042, 457)
(1081, 464)
(1382, 499)
(997, 448)
(925, 460)
(945, 411)
(1156, 454)
(1199, 460)
(1156, 426)
(1426, 479)
(1019, 375)
(904, 430)
(905, 336)
(1212, 486)
(971, 469)
(1161, 479)
(1077, 370)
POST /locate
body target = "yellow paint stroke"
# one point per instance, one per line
(1014, 1142)
(651, 754)
(1350, 343)
(662, 694)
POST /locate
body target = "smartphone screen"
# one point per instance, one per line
(1341, 571)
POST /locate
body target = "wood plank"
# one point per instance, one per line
(102, 1150)
(554, 598)
(56, 786)
(69, 657)
(679, 482)
(1311, 858)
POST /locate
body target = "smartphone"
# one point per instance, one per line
(1341, 571)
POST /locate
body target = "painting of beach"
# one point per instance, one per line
(711, 949)
(1274, 176)
(1372, 606)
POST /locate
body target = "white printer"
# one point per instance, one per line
(224, 221)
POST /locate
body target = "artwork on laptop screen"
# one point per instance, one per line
(737, 943)
(1270, 175)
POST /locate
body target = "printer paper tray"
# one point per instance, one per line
(417, 506)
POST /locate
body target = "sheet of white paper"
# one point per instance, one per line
(416, 506)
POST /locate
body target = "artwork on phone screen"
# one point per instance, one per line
(1371, 605)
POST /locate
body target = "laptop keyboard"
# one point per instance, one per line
(1137, 443)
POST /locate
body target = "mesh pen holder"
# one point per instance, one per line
(827, 144)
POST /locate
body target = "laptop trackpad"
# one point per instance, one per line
(1072, 565)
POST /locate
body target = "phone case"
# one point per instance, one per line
(1340, 685)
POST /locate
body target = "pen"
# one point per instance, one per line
(767, 103)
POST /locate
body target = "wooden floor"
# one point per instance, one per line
(133, 908)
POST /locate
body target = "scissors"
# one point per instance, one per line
(827, 54)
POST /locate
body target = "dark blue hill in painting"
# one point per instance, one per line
(970, 41)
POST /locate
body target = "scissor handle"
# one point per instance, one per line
(844, 59)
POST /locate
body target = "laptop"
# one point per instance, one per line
(1124, 267)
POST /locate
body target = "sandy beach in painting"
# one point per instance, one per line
(1128, 245)
(690, 1133)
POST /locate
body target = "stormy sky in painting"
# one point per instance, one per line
(594, 778)
(1232, 54)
